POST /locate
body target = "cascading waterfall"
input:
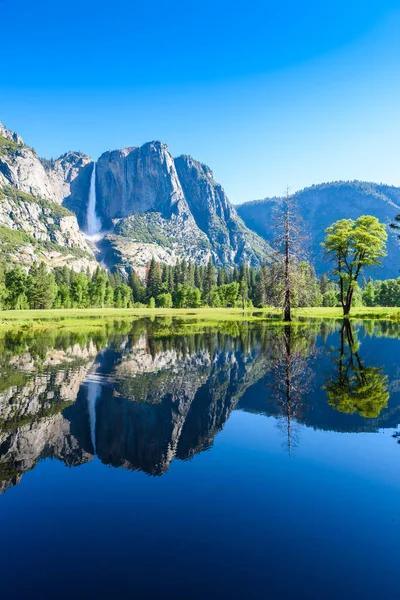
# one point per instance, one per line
(93, 223)
(94, 390)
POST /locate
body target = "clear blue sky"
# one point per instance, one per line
(268, 94)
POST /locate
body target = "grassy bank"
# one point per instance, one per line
(97, 317)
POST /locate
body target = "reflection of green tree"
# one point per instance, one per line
(357, 388)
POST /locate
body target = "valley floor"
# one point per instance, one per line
(99, 317)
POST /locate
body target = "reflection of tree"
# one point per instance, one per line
(357, 388)
(290, 378)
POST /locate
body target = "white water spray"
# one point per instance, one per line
(94, 390)
(93, 223)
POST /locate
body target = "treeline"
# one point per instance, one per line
(183, 285)
(381, 293)
(371, 293)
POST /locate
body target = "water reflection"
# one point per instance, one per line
(291, 377)
(138, 397)
(356, 387)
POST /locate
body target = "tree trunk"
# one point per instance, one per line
(287, 317)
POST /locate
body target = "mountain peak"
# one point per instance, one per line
(10, 135)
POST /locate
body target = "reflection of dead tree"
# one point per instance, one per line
(290, 379)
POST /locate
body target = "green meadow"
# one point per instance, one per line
(97, 317)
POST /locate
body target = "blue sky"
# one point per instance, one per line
(268, 94)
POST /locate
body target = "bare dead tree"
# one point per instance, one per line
(289, 245)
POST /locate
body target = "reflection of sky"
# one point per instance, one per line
(239, 519)
(374, 457)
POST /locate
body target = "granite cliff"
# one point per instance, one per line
(149, 204)
(34, 225)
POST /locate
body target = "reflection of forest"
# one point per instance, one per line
(166, 396)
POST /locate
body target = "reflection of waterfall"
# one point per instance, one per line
(93, 223)
(94, 390)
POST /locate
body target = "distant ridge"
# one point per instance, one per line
(322, 204)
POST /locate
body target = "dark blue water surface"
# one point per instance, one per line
(150, 461)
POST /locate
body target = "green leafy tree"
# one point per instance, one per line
(215, 299)
(229, 294)
(329, 298)
(16, 284)
(368, 294)
(194, 297)
(80, 291)
(352, 246)
(164, 300)
(98, 288)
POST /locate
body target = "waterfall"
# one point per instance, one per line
(94, 390)
(93, 223)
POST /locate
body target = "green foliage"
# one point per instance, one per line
(353, 245)
(382, 293)
(164, 300)
(183, 285)
(357, 388)
(42, 287)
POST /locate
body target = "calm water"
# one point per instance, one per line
(244, 462)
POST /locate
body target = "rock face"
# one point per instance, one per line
(31, 193)
(21, 168)
(321, 205)
(150, 205)
(231, 241)
(148, 198)
(70, 178)
(33, 229)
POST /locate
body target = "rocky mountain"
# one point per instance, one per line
(321, 205)
(170, 208)
(149, 203)
(34, 225)
(153, 205)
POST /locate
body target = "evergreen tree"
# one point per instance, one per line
(209, 281)
(153, 283)
(42, 290)
(197, 277)
(138, 291)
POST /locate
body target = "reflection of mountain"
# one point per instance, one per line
(170, 405)
(150, 399)
(32, 424)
